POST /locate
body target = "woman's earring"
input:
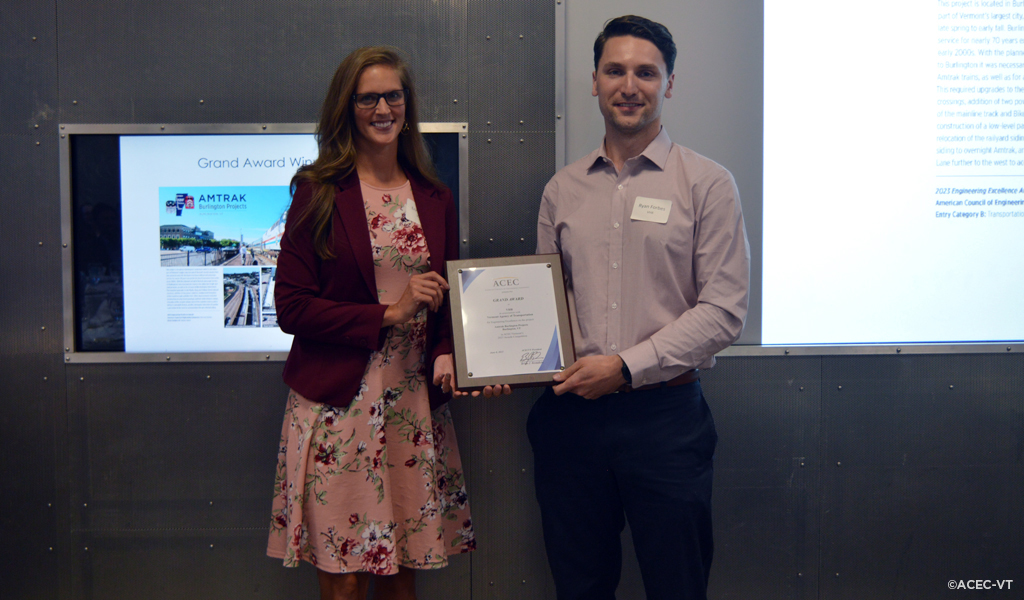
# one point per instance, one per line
(405, 128)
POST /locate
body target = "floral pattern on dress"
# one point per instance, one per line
(379, 484)
(404, 246)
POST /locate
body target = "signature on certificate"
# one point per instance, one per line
(530, 357)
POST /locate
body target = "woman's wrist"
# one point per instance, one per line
(390, 317)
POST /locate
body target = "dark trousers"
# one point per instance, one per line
(643, 456)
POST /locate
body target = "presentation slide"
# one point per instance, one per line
(202, 219)
(893, 172)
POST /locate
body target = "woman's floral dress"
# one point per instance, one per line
(379, 484)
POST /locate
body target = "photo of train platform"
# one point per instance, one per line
(242, 297)
(269, 309)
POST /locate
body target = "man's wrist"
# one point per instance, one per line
(625, 372)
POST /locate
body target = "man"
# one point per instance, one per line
(657, 259)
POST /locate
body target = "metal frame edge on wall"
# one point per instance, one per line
(66, 130)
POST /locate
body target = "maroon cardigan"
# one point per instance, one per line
(331, 306)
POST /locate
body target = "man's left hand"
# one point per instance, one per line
(591, 377)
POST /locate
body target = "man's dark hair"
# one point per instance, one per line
(645, 29)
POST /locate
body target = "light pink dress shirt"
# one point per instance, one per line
(664, 296)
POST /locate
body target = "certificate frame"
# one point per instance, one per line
(461, 306)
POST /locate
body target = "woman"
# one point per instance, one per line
(369, 481)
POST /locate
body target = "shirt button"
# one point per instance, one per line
(615, 305)
(620, 186)
(616, 225)
(614, 347)
(615, 265)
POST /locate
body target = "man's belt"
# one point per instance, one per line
(687, 377)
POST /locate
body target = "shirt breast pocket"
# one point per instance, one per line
(671, 241)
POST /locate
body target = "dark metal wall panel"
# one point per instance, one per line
(28, 87)
(132, 61)
(184, 564)
(922, 473)
(452, 581)
(506, 183)
(32, 519)
(510, 562)
(511, 49)
(172, 471)
(32, 414)
(173, 446)
(30, 225)
(767, 412)
(512, 121)
(29, 213)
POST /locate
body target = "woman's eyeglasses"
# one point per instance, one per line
(393, 98)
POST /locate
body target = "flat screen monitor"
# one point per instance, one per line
(174, 233)
(893, 175)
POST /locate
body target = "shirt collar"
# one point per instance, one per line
(656, 152)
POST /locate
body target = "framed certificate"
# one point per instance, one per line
(510, 319)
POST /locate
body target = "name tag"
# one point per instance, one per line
(651, 209)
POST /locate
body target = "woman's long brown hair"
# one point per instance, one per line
(335, 137)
